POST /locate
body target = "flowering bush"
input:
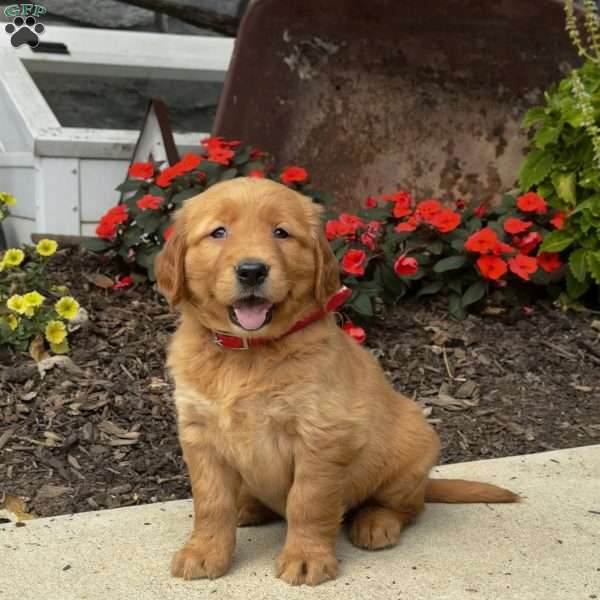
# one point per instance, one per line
(136, 229)
(564, 162)
(396, 245)
(29, 318)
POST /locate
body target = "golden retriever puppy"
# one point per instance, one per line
(281, 413)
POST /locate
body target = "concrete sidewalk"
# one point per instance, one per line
(545, 548)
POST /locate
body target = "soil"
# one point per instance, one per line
(99, 432)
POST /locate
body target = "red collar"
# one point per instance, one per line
(239, 343)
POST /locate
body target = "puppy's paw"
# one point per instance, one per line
(311, 568)
(196, 561)
(375, 527)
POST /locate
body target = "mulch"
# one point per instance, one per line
(99, 432)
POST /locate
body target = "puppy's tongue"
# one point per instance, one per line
(252, 315)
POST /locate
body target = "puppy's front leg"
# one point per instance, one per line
(215, 485)
(314, 513)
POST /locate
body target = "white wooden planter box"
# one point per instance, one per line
(64, 178)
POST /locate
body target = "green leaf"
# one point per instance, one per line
(363, 305)
(436, 247)
(577, 264)
(593, 262)
(393, 284)
(450, 263)
(150, 221)
(96, 244)
(179, 198)
(431, 288)
(533, 115)
(228, 174)
(592, 203)
(536, 167)
(455, 285)
(475, 292)
(557, 241)
(575, 288)
(546, 135)
(241, 157)
(130, 185)
(455, 307)
(564, 183)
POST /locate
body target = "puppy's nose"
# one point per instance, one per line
(251, 273)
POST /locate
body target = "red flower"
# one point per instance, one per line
(188, 163)
(141, 170)
(149, 202)
(549, 261)
(400, 210)
(502, 248)
(401, 196)
(293, 175)
(220, 154)
(491, 267)
(406, 265)
(409, 225)
(480, 211)
(370, 202)
(446, 220)
(124, 282)
(513, 225)
(482, 241)
(116, 214)
(354, 331)
(354, 262)
(351, 220)
(558, 220)
(257, 174)
(528, 243)
(374, 227)
(106, 230)
(523, 266)
(256, 153)
(427, 209)
(528, 311)
(460, 203)
(219, 142)
(336, 229)
(368, 240)
(167, 233)
(166, 177)
(532, 202)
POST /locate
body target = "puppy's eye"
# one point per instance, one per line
(219, 233)
(281, 233)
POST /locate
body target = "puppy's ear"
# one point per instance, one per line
(169, 266)
(327, 273)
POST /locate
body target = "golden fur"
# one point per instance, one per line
(305, 427)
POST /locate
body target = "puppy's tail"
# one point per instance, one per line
(461, 491)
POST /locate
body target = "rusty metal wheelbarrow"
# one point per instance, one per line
(372, 95)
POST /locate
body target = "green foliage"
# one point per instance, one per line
(563, 164)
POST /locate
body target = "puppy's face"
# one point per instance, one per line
(248, 257)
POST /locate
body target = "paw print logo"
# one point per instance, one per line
(25, 31)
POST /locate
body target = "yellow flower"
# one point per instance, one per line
(12, 321)
(46, 247)
(13, 257)
(61, 348)
(56, 332)
(67, 307)
(7, 199)
(17, 303)
(33, 299)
